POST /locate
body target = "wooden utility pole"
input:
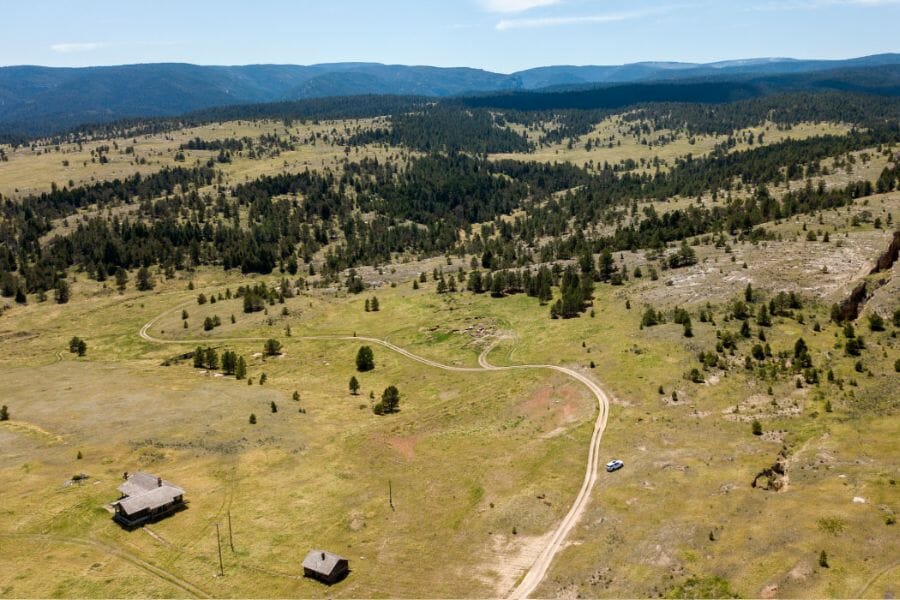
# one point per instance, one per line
(230, 536)
(219, 542)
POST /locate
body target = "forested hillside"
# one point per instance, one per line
(452, 199)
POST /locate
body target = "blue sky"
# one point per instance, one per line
(500, 35)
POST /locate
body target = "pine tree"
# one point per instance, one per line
(374, 304)
(762, 317)
(354, 385)
(390, 399)
(606, 265)
(365, 359)
(240, 368)
(199, 357)
(475, 283)
(252, 419)
(4, 413)
(229, 362)
(61, 293)
(211, 359)
(121, 279)
(144, 280)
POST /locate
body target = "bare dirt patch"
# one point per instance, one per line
(507, 558)
(404, 446)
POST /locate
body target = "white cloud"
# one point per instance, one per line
(534, 23)
(818, 4)
(68, 48)
(515, 6)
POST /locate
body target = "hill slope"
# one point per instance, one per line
(35, 100)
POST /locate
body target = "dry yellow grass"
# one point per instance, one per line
(627, 146)
(482, 465)
(467, 456)
(33, 171)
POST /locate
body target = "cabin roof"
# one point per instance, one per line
(155, 498)
(321, 561)
(140, 482)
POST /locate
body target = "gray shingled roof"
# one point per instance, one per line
(139, 482)
(321, 561)
(155, 498)
(144, 491)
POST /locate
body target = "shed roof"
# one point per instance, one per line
(321, 561)
(140, 482)
(155, 498)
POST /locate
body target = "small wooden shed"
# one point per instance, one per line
(326, 567)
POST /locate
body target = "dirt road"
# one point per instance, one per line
(538, 570)
(185, 586)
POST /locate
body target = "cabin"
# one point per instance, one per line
(326, 567)
(146, 498)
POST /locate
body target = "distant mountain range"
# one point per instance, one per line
(37, 100)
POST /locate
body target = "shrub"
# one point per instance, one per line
(272, 347)
(757, 427)
(876, 322)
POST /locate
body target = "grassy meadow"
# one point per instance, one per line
(454, 495)
(34, 169)
(619, 144)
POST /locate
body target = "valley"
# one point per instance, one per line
(546, 291)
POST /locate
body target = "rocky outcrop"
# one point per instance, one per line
(774, 478)
(886, 261)
(849, 308)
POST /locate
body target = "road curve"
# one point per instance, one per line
(538, 570)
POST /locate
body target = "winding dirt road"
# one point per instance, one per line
(538, 570)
